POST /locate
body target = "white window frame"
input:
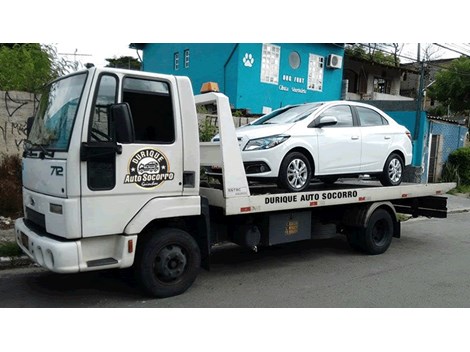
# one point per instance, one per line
(186, 58)
(176, 61)
(270, 62)
(316, 67)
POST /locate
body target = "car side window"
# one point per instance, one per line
(369, 117)
(342, 113)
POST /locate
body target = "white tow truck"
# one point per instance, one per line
(112, 179)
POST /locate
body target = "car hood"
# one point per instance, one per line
(248, 132)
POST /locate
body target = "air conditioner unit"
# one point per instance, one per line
(334, 61)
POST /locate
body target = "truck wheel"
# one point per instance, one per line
(377, 236)
(392, 174)
(167, 262)
(295, 172)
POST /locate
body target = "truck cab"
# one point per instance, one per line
(106, 148)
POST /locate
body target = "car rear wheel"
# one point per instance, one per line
(392, 174)
(295, 172)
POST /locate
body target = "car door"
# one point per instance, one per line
(376, 139)
(117, 183)
(339, 146)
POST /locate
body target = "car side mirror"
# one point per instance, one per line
(122, 117)
(29, 125)
(327, 121)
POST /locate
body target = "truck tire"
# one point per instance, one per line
(392, 174)
(295, 172)
(167, 262)
(376, 237)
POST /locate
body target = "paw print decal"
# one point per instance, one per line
(248, 60)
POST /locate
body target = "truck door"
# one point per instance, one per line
(117, 180)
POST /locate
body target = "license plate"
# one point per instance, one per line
(25, 241)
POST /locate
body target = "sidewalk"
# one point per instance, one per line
(455, 204)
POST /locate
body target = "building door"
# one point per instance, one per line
(435, 158)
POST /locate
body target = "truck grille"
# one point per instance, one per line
(36, 218)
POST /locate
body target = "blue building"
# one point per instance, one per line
(256, 77)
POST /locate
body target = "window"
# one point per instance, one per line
(315, 72)
(101, 127)
(369, 117)
(101, 169)
(186, 58)
(342, 113)
(294, 60)
(152, 110)
(270, 60)
(176, 61)
(382, 85)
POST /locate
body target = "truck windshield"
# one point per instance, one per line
(52, 127)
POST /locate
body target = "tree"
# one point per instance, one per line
(28, 67)
(452, 85)
(376, 52)
(127, 62)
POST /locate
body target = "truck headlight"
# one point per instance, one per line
(265, 142)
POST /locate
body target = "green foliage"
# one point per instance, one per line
(126, 62)
(452, 86)
(28, 67)
(372, 53)
(11, 200)
(9, 249)
(450, 173)
(460, 159)
(207, 130)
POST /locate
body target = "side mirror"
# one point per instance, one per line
(122, 117)
(29, 125)
(327, 121)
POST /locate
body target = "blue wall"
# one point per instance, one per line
(206, 61)
(407, 119)
(453, 136)
(224, 64)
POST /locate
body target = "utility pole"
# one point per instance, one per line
(419, 98)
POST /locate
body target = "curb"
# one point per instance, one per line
(14, 262)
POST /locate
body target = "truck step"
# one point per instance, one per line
(101, 262)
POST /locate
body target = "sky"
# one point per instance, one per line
(96, 53)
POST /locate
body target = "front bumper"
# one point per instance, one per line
(72, 256)
(57, 256)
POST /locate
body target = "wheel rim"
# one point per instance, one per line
(380, 232)
(170, 263)
(297, 173)
(394, 170)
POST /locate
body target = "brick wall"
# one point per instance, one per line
(15, 108)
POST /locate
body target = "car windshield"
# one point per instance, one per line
(52, 127)
(288, 114)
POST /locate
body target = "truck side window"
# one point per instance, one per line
(101, 170)
(101, 127)
(152, 110)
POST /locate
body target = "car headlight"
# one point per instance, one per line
(265, 143)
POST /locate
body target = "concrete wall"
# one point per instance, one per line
(15, 108)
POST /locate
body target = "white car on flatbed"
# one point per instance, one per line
(325, 140)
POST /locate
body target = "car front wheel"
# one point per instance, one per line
(392, 174)
(295, 172)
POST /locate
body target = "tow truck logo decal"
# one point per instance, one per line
(148, 168)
